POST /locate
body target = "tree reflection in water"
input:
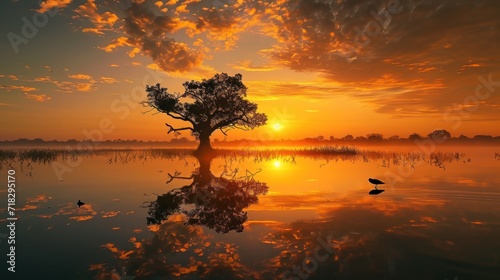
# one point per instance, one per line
(215, 202)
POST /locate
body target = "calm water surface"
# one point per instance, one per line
(259, 218)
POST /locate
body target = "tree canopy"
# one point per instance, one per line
(215, 104)
(439, 135)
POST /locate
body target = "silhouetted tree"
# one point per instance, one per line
(439, 135)
(394, 137)
(348, 137)
(415, 136)
(375, 137)
(215, 104)
(179, 141)
(483, 137)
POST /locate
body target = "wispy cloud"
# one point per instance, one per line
(108, 80)
(110, 214)
(92, 30)
(42, 79)
(84, 83)
(247, 65)
(121, 254)
(310, 90)
(12, 77)
(69, 87)
(38, 97)
(17, 88)
(118, 42)
(80, 76)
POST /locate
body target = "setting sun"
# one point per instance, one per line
(277, 163)
(277, 126)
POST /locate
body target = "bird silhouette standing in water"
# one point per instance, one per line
(376, 182)
(79, 203)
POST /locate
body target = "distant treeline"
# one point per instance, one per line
(178, 142)
(370, 139)
(437, 136)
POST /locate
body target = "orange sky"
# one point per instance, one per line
(332, 68)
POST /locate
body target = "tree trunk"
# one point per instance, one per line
(205, 176)
(204, 147)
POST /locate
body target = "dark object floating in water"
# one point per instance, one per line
(79, 203)
(376, 191)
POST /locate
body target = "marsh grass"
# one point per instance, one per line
(259, 155)
(6, 155)
(326, 153)
(37, 155)
(125, 156)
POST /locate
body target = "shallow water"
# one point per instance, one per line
(265, 218)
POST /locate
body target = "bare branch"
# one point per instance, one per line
(223, 132)
(173, 177)
(148, 111)
(180, 117)
(176, 130)
(240, 127)
(225, 123)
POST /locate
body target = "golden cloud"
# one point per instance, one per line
(80, 77)
(18, 88)
(50, 4)
(159, 4)
(42, 79)
(110, 214)
(92, 30)
(247, 65)
(118, 42)
(101, 22)
(38, 97)
(108, 80)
